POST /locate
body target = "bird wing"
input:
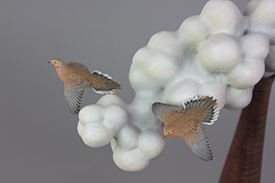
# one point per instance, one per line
(197, 140)
(205, 109)
(166, 112)
(103, 83)
(73, 92)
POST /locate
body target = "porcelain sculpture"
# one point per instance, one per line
(219, 53)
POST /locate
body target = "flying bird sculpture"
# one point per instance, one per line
(76, 78)
(186, 123)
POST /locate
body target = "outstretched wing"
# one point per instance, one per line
(205, 109)
(198, 142)
(73, 91)
(103, 83)
(165, 112)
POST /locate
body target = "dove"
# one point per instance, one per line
(186, 122)
(77, 78)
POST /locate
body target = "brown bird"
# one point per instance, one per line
(186, 123)
(76, 78)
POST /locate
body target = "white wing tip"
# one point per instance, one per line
(104, 92)
(104, 75)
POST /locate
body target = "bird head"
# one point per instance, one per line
(58, 64)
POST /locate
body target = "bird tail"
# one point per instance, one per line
(103, 83)
(207, 103)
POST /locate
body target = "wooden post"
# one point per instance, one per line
(243, 163)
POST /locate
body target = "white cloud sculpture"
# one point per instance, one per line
(220, 53)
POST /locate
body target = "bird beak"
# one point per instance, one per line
(49, 61)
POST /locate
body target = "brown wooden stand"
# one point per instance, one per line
(243, 163)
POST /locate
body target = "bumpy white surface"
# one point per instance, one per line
(220, 53)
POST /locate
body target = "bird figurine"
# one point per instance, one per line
(76, 78)
(186, 122)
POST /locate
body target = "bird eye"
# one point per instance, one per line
(54, 62)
